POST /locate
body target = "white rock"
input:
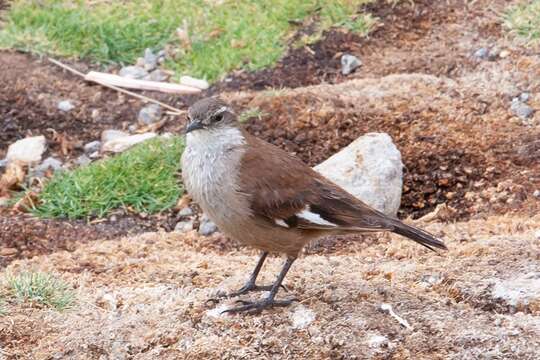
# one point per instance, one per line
(28, 150)
(193, 82)
(519, 290)
(123, 143)
(536, 193)
(65, 105)
(349, 63)
(3, 163)
(537, 234)
(185, 212)
(370, 168)
(183, 226)
(207, 226)
(376, 341)
(108, 135)
(302, 317)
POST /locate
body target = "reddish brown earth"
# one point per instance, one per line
(449, 114)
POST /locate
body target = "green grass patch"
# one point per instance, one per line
(523, 20)
(40, 288)
(144, 179)
(221, 35)
(250, 113)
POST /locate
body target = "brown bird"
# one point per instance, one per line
(262, 196)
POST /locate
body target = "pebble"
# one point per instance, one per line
(349, 63)
(207, 227)
(7, 251)
(83, 160)
(183, 226)
(133, 72)
(536, 193)
(27, 150)
(150, 60)
(521, 109)
(3, 163)
(65, 105)
(482, 53)
(49, 163)
(149, 114)
(157, 75)
(92, 147)
(524, 97)
(185, 212)
(194, 82)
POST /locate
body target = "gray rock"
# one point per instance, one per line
(150, 60)
(150, 114)
(133, 72)
(207, 227)
(370, 168)
(183, 226)
(27, 150)
(185, 212)
(49, 163)
(161, 56)
(3, 163)
(109, 135)
(83, 160)
(92, 147)
(65, 105)
(94, 155)
(349, 63)
(520, 109)
(520, 290)
(482, 53)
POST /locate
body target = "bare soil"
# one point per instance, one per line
(143, 296)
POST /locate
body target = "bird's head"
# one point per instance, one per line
(210, 114)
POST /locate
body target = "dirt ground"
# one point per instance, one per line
(143, 296)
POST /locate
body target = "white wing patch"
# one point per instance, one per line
(313, 218)
(281, 223)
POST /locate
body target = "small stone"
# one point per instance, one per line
(376, 341)
(520, 109)
(133, 72)
(504, 53)
(65, 105)
(207, 227)
(94, 155)
(524, 97)
(49, 163)
(150, 60)
(193, 82)
(149, 114)
(183, 226)
(109, 135)
(536, 193)
(95, 114)
(113, 218)
(349, 63)
(83, 160)
(157, 75)
(3, 163)
(537, 234)
(92, 147)
(482, 53)
(302, 317)
(7, 251)
(27, 150)
(185, 212)
(121, 144)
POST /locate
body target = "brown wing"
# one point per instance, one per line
(284, 190)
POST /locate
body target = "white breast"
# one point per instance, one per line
(210, 166)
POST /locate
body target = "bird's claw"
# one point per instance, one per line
(255, 307)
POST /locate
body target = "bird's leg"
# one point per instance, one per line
(269, 301)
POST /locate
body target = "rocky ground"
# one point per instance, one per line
(449, 87)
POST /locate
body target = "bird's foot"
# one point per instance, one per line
(248, 287)
(255, 307)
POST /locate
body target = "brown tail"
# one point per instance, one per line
(420, 236)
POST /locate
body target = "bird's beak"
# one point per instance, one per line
(194, 125)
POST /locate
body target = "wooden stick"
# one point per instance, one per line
(115, 80)
(127, 92)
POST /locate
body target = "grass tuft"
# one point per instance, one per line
(250, 113)
(41, 288)
(143, 179)
(523, 20)
(221, 35)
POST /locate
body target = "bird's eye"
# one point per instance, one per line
(217, 118)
